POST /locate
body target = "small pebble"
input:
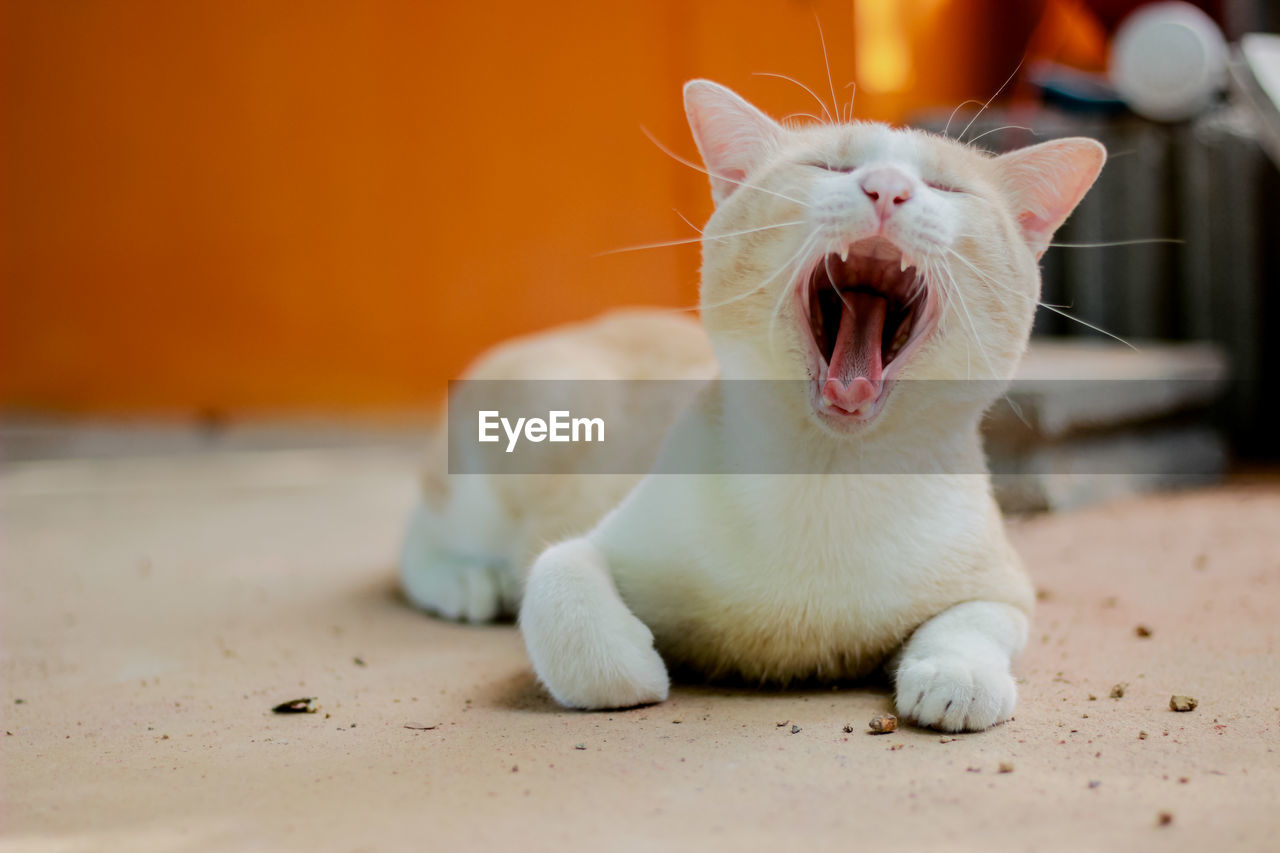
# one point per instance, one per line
(1142, 631)
(848, 728)
(1164, 818)
(882, 724)
(1005, 767)
(1182, 703)
(296, 706)
(579, 746)
(1117, 692)
(795, 730)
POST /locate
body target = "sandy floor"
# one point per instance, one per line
(154, 611)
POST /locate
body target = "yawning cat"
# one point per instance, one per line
(850, 264)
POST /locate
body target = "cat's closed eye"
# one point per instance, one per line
(830, 167)
(942, 186)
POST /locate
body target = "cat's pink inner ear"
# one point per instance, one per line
(1047, 181)
(733, 136)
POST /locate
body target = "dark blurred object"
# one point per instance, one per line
(1236, 17)
(1207, 184)
(1111, 13)
(1075, 91)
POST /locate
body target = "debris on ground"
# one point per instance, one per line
(579, 746)
(1164, 818)
(848, 728)
(421, 727)
(359, 661)
(1142, 631)
(305, 705)
(1182, 703)
(1117, 691)
(1142, 735)
(795, 730)
(1005, 767)
(882, 724)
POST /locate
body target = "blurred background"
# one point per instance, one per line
(235, 210)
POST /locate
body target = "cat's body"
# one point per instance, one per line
(473, 537)
(841, 261)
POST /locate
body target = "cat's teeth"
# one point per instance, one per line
(904, 264)
(844, 254)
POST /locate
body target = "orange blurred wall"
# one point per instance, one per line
(266, 206)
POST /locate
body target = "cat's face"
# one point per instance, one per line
(856, 255)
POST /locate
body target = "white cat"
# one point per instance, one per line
(852, 262)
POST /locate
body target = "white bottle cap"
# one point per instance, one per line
(1168, 61)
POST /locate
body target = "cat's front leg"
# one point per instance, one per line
(953, 673)
(587, 648)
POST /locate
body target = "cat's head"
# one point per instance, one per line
(857, 255)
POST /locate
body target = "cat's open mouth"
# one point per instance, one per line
(865, 314)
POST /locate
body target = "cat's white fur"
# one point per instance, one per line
(777, 577)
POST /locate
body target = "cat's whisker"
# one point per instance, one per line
(958, 108)
(687, 220)
(1141, 241)
(973, 327)
(854, 85)
(1013, 405)
(790, 116)
(822, 39)
(674, 156)
(826, 112)
(1003, 127)
(1057, 309)
(1088, 325)
(826, 260)
(1007, 81)
(805, 248)
(687, 240)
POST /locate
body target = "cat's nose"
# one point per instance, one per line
(887, 187)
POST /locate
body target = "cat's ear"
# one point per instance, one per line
(1047, 181)
(733, 136)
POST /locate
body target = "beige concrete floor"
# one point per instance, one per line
(154, 610)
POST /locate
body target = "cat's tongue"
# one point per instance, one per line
(855, 372)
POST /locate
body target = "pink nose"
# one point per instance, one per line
(887, 187)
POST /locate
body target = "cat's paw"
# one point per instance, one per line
(614, 669)
(589, 650)
(457, 589)
(955, 694)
